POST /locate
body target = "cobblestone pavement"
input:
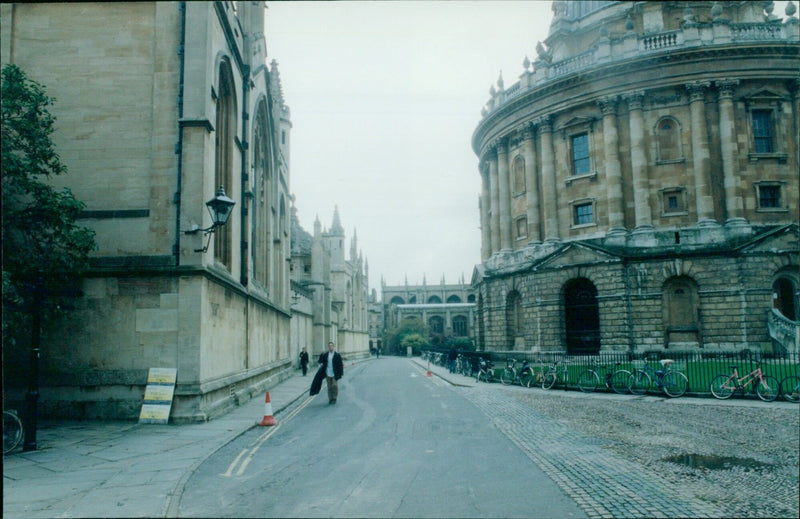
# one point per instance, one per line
(610, 452)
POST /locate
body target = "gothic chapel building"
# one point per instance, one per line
(158, 106)
(640, 183)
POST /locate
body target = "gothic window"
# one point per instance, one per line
(453, 299)
(521, 227)
(460, 326)
(225, 131)
(261, 202)
(769, 196)
(668, 140)
(581, 164)
(435, 300)
(519, 175)
(471, 298)
(397, 300)
(437, 324)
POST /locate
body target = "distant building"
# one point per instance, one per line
(640, 183)
(158, 105)
(449, 310)
(329, 291)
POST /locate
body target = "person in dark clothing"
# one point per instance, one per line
(304, 361)
(452, 356)
(332, 366)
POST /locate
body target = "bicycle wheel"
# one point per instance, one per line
(723, 387)
(619, 381)
(768, 388)
(549, 380)
(675, 384)
(507, 376)
(12, 431)
(588, 381)
(525, 377)
(639, 382)
(790, 388)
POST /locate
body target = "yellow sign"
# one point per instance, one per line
(158, 395)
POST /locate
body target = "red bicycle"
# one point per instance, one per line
(765, 386)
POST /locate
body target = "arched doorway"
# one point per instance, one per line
(784, 299)
(581, 317)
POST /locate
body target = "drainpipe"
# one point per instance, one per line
(243, 274)
(176, 248)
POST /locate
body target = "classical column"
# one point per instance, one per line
(495, 206)
(531, 185)
(505, 194)
(548, 180)
(616, 214)
(486, 202)
(734, 205)
(641, 187)
(701, 158)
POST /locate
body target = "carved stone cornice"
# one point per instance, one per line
(725, 87)
(608, 105)
(634, 99)
(697, 90)
(545, 123)
(528, 131)
(500, 144)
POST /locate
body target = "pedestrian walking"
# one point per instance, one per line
(304, 361)
(452, 356)
(331, 368)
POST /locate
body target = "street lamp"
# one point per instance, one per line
(220, 208)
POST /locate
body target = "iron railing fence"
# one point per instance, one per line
(699, 366)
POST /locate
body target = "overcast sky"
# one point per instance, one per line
(384, 98)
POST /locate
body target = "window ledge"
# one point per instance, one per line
(780, 157)
(661, 162)
(772, 209)
(573, 178)
(583, 225)
(675, 213)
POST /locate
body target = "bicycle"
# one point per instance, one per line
(672, 382)
(528, 376)
(485, 372)
(616, 380)
(510, 374)
(765, 386)
(790, 388)
(558, 371)
(13, 431)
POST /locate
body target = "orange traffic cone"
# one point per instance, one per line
(268, 418)
(429, 370)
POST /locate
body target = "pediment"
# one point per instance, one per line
(783, 239)
(764, 94)
(576, 254)
(577, 123)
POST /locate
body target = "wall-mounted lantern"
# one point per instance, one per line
(220, 208)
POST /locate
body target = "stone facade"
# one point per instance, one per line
(158, 105)
(448, 309)
(639, 183)
(329, 291)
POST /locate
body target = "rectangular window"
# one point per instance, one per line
(580, 154)
(762, 131)
(673, 201)
(584, 214)
(769, 197)
(522, 227)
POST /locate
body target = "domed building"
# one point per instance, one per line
(640, 183)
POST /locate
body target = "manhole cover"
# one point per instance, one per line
(710, 462)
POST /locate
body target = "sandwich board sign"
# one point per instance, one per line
(158, 395)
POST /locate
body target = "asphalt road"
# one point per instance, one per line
(397, 444)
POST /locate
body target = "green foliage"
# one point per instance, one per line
(393, 338)
(460, 343)
(43, 249)
(415, 341)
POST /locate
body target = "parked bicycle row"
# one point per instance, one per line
(637, 377)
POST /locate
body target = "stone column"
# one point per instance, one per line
(616, 213)
(531, 185)
(505, 195)
(641, 184)
(701, 158)
(550, 213)
(494, 190)
(486, 202)
(734, 205)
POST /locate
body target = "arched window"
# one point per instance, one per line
(785, 297)
(668, 139)
(514, 320)
(454, 299)
(437, 324)
(433, 300)
(397, 300)
(518, 169)
(225, 131)
(581, 317)
(682, 327)
(261, 193)
(471, 298)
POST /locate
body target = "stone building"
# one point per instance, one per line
(159, 104)
(448, 309)
(329, 291)
(640, 183)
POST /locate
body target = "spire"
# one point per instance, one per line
(317, 227)
(353, 246)
(336, 226)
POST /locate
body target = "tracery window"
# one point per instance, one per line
(225, 130)
(460, 326)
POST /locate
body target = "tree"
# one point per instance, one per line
(393, 338)
(44, 250)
